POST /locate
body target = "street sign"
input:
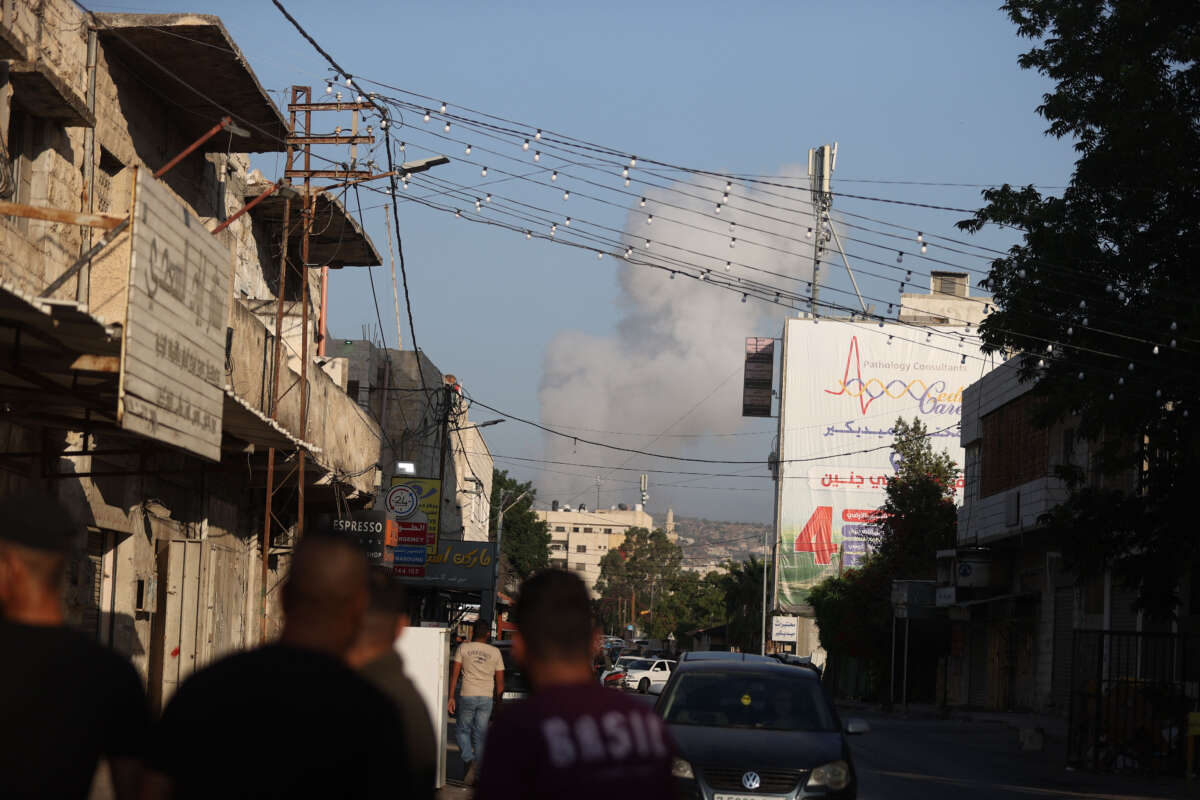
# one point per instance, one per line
(783, 628)
(415, 504)
(467, 566)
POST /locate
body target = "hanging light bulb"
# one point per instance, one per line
(553, 228)
(1020, 273)
(328, 87)
(702, 275)
(718, 208)
(1172, 343)
(426, 117)
(468, 150)
(554, 175)
(907, 275)
(457, 213)
(538, 135)
(483, 172)
(1070, 331)
(525, 146)
(647, 245)
(446, 127)
(1085, 322)
(478, 205)
(383, 123)
(350, 82)
(625, 172)
(1041, 363)
(633, 161)
(889, 335)
(1155, 349)
(528, 234)
(599, 255)
(728, 266)
(899, 257)
(728, 186)
(567, 221)
(731, 226)
(732, 241)
(649, 219)
(725, 197)
(628, 252)
(743, 297)
(537, 155)
(404, 183)
(808, 235)
(1131, 366)
(487, 199)
(920, 237)
(923, 248)
(1173, 326)
(643, 204)
(358, 99)
(1158, 392)
(672, 275)
(963, 360)
(1082, 304)
(627, 181)
(443, 107)
(1120, 381)
(566, 195)
(1112, 396)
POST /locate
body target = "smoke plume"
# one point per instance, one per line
(677, 340)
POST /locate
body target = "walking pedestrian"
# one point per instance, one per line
(289, 719)
(66, 701)
(572, 737)
(374, 656)
(482, 670)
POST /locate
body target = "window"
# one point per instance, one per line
(560, 528)
(608, 530)
(581, 548)
(352, 390)
(1013, 449)
(24, 134)
(558, 563)
(587, 530)
(575, 529)
(579, 567)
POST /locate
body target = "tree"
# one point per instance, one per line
(525, 542)
(631, 576)
(918, 518)
(743, 586)
(1100, 299)
(690, 602)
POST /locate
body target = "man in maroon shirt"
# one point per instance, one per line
(572, 737)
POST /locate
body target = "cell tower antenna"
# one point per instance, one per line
(821, 163)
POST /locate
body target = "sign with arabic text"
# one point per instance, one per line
(172, 380)
(846, 383)
(758, 378)
(468, 566)
(415, 506)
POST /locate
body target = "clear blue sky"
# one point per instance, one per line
(921, 91)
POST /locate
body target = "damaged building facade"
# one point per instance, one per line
(141, 382)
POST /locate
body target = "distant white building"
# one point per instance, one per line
(580, 538)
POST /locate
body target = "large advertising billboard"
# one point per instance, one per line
(844, 385)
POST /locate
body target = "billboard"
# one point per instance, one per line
(415, 506)
(844, 385)
(467, 566)
(758, 378)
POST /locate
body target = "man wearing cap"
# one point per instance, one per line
(66, 701)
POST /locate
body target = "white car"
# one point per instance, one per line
(642, 673)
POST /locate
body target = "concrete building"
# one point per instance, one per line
(388, 384)
(948, 302)
(1014, 606)
(138, 386)
(579, 538)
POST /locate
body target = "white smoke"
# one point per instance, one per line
(677, 340)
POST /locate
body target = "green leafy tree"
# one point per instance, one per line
(743, 587)
(525, 542)
(1106, 274)
(918, 518)
(689, 603)
(631, 576)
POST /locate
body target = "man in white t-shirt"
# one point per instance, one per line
(482, 670)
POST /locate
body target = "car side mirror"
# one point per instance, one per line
(857, 727)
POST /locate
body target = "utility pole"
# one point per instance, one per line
(447, 400)
(597, 492)
(821, 163)
(762, 649)
(499, 533)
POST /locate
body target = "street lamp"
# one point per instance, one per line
(480, 425)
(405, 468)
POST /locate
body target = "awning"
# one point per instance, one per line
(337, 238)
(61, 362)
(191, 59)
(247, 423)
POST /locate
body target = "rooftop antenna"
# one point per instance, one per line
(821, 163)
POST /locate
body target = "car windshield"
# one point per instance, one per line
(636, 663)
(744, 699)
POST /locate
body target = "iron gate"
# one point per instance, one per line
(1130, 697)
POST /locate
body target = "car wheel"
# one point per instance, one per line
(644, 685)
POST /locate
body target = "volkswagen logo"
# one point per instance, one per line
(751, 780)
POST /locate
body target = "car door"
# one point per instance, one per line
(659, 673)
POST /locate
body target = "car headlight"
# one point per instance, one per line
(681, 769)
(834, 775)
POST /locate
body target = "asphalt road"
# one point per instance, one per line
(924, 759)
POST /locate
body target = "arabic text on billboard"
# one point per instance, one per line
(414, 505)
(846, 384)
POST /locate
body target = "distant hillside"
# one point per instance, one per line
(707, 543)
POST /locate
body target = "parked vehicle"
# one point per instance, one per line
(642, 673)
(516, 686)
(747, 725)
